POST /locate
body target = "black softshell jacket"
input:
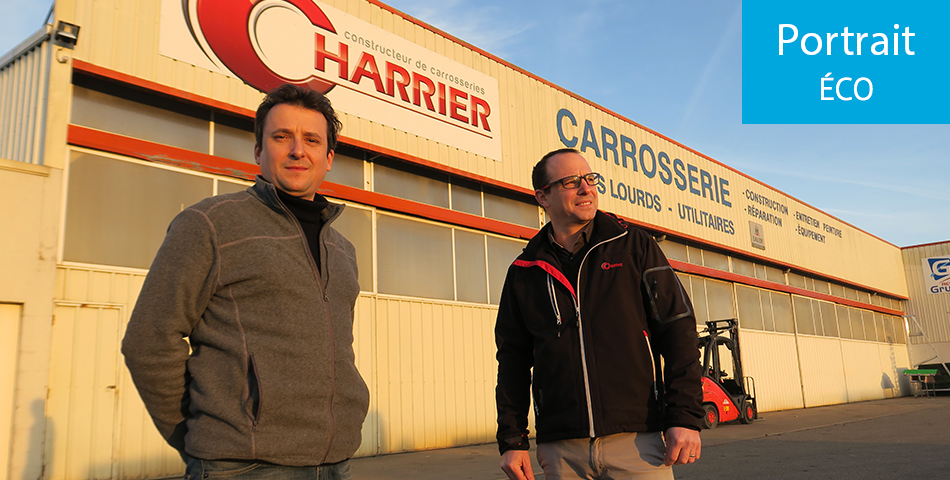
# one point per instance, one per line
(595, 373)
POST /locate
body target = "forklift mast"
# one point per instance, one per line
(711, 359)
(727, 396)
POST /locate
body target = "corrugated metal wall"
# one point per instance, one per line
(894, 360)
(364, 345)
(435, 374)
(122, 35)
(93, 305)
(81, 405)
(822, 368)
(931, 309)
(772, 360)
(23, 90)
(430, 367)
(832, 370)
(865, 382)
(9, 344)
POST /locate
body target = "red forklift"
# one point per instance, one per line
(727, 394)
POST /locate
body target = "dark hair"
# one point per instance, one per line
(301, 97)
(539, 176)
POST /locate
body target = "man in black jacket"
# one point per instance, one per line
(591, 305)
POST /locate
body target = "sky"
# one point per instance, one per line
(675, 66)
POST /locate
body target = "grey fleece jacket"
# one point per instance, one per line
(271, 375)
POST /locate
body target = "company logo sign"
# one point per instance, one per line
(365, 70)
(937, 274)
(608, 266)
(228, 35)
(757, 235)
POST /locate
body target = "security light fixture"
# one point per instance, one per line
(66, 35)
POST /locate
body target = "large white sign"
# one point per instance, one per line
(365, 70)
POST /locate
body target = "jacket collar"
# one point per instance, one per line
(266, 192)
(606, 225)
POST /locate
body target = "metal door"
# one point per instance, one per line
(9, 338)
(81, 407)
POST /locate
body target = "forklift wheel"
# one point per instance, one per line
(748, 412)
(711, 417)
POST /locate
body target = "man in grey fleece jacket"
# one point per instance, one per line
(264, 290)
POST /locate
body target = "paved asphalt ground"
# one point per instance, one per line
(894, 439)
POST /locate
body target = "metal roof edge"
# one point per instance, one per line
(40, 36)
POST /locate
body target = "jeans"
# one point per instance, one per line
(198, 469)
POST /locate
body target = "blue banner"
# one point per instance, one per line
(836, 62)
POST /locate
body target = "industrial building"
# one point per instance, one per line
(120, 113)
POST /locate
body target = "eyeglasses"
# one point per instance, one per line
(574, 181)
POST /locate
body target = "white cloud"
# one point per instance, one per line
(725, 43)
(484, 26)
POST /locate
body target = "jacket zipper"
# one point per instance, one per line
(326, 305)
(557, 311)
(580, 328)
(656, 390)
(332, 383)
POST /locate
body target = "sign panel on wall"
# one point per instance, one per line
(649, 178)
(366, 71)
(937, 274)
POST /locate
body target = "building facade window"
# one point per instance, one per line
(347, 170)
(396, 255)
(403, 184)
(510, 210)
(233, 138)
(117, 212)
(467, 200)
(415, 258)
(470, 267)
(134, 119)
(501, 252)
(356, 224)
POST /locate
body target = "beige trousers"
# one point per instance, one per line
(614, 457)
